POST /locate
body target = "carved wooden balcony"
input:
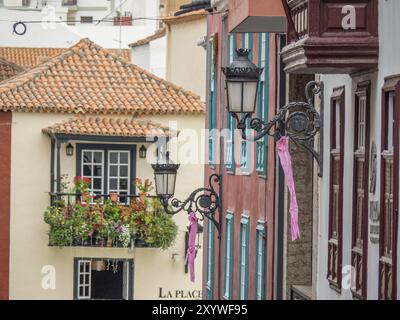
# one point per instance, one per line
(324, 36)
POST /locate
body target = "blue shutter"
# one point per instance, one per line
(245, 144)
(260, 274)
(228, 263)
(230, 141)
(262, 111)
(244, 257)
(210, 261)
(213, 104)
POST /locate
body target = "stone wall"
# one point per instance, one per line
(298, 254)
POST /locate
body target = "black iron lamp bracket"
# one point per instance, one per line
(299, 121)
(205, 201)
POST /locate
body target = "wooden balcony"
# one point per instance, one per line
(321, 38)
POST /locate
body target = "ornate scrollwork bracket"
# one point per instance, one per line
(299, 121)
(205, 201)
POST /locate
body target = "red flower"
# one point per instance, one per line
(86, 180)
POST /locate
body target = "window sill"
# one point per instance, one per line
(262, 175)
(334, 286)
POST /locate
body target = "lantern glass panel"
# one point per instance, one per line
(235, 96)
(165, 183)
(249, 96)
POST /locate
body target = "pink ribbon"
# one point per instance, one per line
(191, 251)
(286, 162)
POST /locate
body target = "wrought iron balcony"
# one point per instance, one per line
(331, 36)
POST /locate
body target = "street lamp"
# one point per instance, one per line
(205, 201)
(165, 177)
(299, 121)
(242, 78)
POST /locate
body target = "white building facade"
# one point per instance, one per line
(362, 142)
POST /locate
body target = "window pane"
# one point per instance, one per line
(337, 124)
(390, 120)
(87, 170)
(123, 171)
(98, 157)
(97, 183)
(97, 170)
(113, 171)
(87, 157)
(81, 292)
(123, 157)
(113, 157)
(123, 184)
(114, 184)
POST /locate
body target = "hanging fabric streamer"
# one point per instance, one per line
(286, 162)
(191, 252)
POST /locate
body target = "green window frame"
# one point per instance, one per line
(260, 266)
(247, 42)
(210, 261)
(212, 120)
(231, 123)
(263, 103)
(244, 258)
(228, 260)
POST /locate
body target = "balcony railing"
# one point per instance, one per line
(299, 15)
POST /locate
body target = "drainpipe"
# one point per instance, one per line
(58, 143)
(280, 214)
(52, 166)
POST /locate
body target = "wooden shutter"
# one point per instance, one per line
(359, 251)
(389, 189)
(336, 189)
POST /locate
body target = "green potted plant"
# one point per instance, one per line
(162, 232)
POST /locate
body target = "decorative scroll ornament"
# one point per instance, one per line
(299, 121)
(205, 201)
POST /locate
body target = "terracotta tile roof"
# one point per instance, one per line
(29, 57)
(157, 35)
(91, 80)
(108, 127)
(8, 69)
(186, 17)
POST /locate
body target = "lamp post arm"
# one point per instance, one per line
(205, 201)
(299, 121)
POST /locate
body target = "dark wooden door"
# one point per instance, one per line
(336, 189)
(359, 251)
(389, 195)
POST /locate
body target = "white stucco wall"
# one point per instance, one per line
(185, 58)
(29, 250)
(389, 64)
(61, 35)
(151, 57)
